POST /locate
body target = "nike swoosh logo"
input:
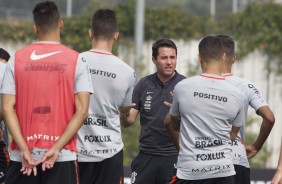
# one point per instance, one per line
(34, 56)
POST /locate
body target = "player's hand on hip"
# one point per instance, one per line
(28, 164)
(277, 179)
(251, 151)
(49, 159)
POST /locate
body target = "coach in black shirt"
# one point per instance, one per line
(155, 162)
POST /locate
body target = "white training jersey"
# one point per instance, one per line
(255, 100)
(2, 71)
(113, 82)
(208, 106)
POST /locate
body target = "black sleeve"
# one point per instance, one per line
(137, 94)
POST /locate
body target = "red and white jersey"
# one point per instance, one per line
(113, 82)
(208, 106)
(44, 78)
(255, 100)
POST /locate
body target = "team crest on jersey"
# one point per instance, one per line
(147, 104)
(133, 176)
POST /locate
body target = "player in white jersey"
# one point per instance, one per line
(255, 100)
(4, 140)
(100, 146)
(208, 112)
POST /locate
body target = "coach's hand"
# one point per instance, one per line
(167, 103)
(251, 151)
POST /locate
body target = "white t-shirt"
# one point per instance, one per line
(113, 81)
(255, 100)
(208, 106)
(81, 84)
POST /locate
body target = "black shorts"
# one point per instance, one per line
(223, 180)
(108, 171)
(152, 169)
(242, 175)
(4, 161)
(62, 172)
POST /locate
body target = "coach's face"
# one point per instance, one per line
(165, 61)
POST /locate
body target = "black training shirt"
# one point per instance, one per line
(149, 95)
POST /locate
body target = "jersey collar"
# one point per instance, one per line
(227, 74)
(102, 52)
(46, 42)
(212, 76)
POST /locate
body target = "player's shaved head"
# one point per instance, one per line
(211, 48)
(228, 45)
(46, 16)
(104, 24)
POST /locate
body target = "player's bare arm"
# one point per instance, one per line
(277, 178)
(12, 122)
(175, 121)
(234, 132)
(265, 129)
(81, 113)
(174, 135)
(128, 115)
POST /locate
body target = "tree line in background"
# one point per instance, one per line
(257, 27)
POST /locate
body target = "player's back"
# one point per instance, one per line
(113, 82)
(253, 98)
(44, 76)
(208, 106)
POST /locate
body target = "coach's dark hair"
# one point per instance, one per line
(4, 54)
(163, 42)
(46, 16)
(228, 45)
(104, 24)
(211, 48)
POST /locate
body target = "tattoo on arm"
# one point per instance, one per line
(175, 123)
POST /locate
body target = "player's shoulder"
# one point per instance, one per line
(237, 80)
(66, 48)
(243, 84)
(187, 81)
(234, 90)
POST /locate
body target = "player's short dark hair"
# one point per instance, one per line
(211, 48)
(163, 42)
(4, 54)
(104, 24)
(46, 16)
(228, 45)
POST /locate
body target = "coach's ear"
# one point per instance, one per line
(90, 34)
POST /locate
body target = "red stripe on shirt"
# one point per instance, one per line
(104, 53)
(211, 77)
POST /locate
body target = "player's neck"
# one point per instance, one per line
(54, 37)
(226, 69)
(102, 45)
(214, 69)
